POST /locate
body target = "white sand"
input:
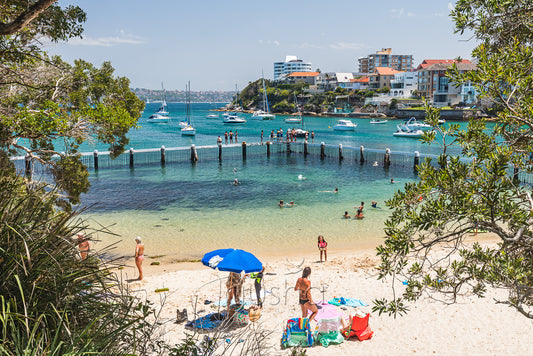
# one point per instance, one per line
(472, 326)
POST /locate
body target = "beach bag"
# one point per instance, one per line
(254, 314)
(242, 318)
(364, 334)
(329, 338)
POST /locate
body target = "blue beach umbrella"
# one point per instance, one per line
(232, 260)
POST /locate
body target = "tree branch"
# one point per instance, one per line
(26, 17)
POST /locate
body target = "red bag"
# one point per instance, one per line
(360, 323)
(364, 334)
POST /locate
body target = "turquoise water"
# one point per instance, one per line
(184, 210)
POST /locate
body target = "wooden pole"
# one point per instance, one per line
(268, 148)
(244, 150)
(361, 154)
(194, 154)
(341, 157)
(386, 159)
(131, 157)
(322, 150)
(95, 156)
(163, 156)
(417, 160)
(220, 151)
(306, 152)
(28, 166)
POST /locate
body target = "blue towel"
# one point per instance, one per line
(351, 302)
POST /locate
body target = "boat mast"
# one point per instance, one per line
(266, 107)
(188, 99)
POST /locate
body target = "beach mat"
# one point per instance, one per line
(207, 322)
(350, 302)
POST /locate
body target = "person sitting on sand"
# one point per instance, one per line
(323, 248)
(346, 215)
(234, 286)
(139, 256)
(83, 245)
(303, 285)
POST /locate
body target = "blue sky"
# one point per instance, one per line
(217, 44)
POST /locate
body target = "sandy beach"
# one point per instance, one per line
(471, 326)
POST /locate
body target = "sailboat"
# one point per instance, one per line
(188, 130)
(232, 118)
(295, 119)
(298, 132)
(161, 114)
(265, 113)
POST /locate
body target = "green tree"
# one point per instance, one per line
(456, 196)
(48, 107)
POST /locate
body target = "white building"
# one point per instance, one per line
(403, 84)
(291, 64)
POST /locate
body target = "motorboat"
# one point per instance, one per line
(188, 130)
(300, 132)
(378, 121)
(233, 119)
(161, 114)
(345, 125)
(158, 118)
(212, 116)
(412, 124)
(293, 120)
(404, 131)
(262, 115)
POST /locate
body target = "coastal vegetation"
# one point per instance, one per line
(456, 198)
(51, 301)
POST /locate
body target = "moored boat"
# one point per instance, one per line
(378, 121)
(404, 131)
(345, 125)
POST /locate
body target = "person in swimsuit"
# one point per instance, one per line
(139, 256)
(303, 285)
(83, 245)
(346, 215)
(234, 286)
(359, 214)
(323, 248)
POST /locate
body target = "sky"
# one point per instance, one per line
(217, 44)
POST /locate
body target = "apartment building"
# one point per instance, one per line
(385, 58)
(381, 77)
(292, 64)
(298, 77)
(434, 85)
(404, 84)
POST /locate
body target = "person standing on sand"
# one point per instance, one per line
(234, 286)
(303, 285)
(83, 245)
(139, 256)
(323, 247)
(258, 278)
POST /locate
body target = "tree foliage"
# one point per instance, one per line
(457, 196)
(48, 107)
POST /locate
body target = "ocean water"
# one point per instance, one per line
(185, 210)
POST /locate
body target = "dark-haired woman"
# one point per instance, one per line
(303, 285)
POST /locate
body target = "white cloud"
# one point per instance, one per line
(309, 45)
(269, 43)
(345, 45)
(397, 12)
(110, 41)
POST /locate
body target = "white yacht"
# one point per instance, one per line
(378, 121)
(161, 114)
(345, 125)
(188, 130)
(412, 124)
(404, 131)
(263, 114)
(233, 119)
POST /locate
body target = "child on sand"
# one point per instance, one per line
(323, 248)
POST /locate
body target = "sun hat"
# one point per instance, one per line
(138, 238)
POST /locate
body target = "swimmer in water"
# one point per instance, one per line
(374, 204)
(301, 177)
(346, 215)
(375, 164)
(236, 182)
(329, 191)
(281, 204)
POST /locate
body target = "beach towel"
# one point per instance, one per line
(224, 303)
(297, 333)
(207, 322)
(350, 302)
(329, 338)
